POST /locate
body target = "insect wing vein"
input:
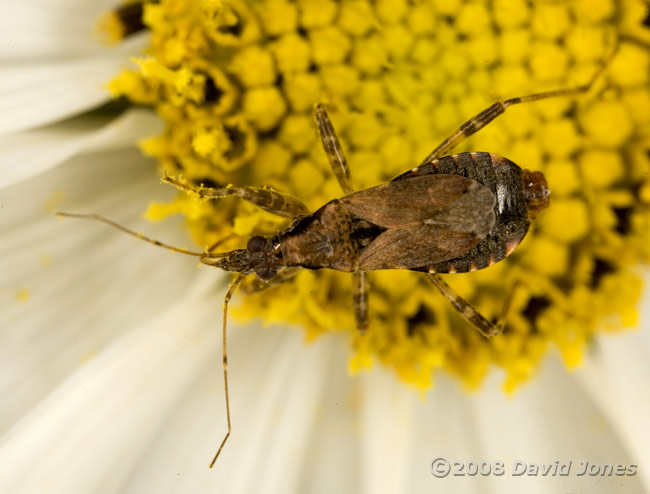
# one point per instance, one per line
(429, 219)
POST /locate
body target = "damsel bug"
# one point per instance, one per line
(450, 214)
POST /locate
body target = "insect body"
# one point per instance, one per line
(463, 213)
(451, 214)
(455, 214)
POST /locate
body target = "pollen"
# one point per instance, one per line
(23, 295)
(236, 82)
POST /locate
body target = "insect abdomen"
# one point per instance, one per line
(504, 179)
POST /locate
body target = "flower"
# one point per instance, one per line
(100, 386)
(236, 82)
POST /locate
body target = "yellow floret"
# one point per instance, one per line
(110, 28)
(254, 66)
(567, 221)
(637, 103)
(607, 124)
(391, 11)
(593, 10)
(473, 19)
(547, 256)
(340, 80)
(397, 40)
(295, 131)
(562, 177)
(278, 16)
(548, 62)
(356, 17)
(631, 66)
(447, 7)
(329, 45)
(601, 168)
(369, 55)
(316, 13)
(587, 42)
(514, 46)
(560, 138)
(510, 13)
(420, 20)
(292, 53)
(264, 106)
(551, 20)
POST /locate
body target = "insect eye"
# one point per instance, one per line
(257, 244)
(267, 274)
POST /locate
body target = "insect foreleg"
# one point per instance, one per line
(231, 289)
(268, 199)
(361, 300)
(333, 149)
(465, 309)
(256, 285)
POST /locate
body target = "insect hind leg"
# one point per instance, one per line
(483, 118)
(361, 300)
(468, 312)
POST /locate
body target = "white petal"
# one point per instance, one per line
(551, 419)
(29, 153)
(287, 396)
(387, 425)
(617, 377)
(87, 434)
(45, 28)
(33, 94)
(279, 420)
(86, 282)
(190, 438)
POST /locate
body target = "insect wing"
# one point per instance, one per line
(406, 202)
(429, 219)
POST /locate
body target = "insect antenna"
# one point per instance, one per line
(208, 254)
(231, 289)
(97, 217)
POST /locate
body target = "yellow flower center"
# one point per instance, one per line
(236, 83)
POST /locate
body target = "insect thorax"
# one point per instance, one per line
(321, 240)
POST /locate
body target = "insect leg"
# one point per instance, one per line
(505, 310)
(256, 285)
(268, 199)
(231, 289)
(361, 300)
(333, 149)
(479, 121)
(465, 309)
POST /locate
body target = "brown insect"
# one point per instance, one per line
(450, 214)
